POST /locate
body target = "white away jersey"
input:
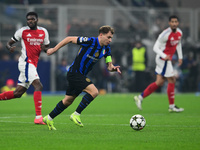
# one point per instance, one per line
(31, 41)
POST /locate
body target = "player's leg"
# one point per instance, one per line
(91, 93)
(149, 90)
(7, 95)
(19, 91)
(37, 97)
(153, 86)
(171, 95)
(32, 78)
(170, 90)
(160, 70)
(23, 83)
(60, 107)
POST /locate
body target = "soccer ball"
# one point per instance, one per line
(137, 122)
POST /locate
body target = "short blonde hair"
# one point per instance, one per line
(105, 29)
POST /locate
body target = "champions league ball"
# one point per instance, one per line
(137, 122)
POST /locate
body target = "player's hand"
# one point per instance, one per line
(43, 48)
(12, 49)
(180, 61)
(116, 68)
(167, 57)
(50, 51)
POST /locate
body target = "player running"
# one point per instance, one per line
(34, 39)
(167, 43)
(91, 50)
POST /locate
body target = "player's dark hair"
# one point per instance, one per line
(173, 17)
(32, 13)
(106, 29)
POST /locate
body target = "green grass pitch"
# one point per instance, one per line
(106, 124)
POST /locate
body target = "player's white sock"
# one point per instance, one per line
(171, 106)
(140, 97)
(49, 118)
(76, 113)
(38, 117)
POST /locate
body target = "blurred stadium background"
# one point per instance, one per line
(132, 20)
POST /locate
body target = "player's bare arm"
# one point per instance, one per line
(69, 39)
(113, 68)
(9, 46)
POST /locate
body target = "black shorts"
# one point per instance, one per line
(76, 83)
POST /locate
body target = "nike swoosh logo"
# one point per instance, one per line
(78, 121)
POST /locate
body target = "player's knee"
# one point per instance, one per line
(39, 87)
(67, 102)
(18, 94)
(95, 93)
(160, 83)
(171, 80)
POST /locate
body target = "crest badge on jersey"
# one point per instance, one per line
(96, 54)
(87, 79)
(40, 35)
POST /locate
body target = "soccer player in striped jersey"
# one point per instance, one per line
(91, 50)
(34, 39)
(165, 46)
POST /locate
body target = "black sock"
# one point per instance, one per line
(60, 107)
(87, 98)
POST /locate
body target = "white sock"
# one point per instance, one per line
(38, 117)
(140, 97)
(76, 113)
(50, 118)
(171, 105)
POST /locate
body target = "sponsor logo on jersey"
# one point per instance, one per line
(34, 41)
(175, 42)
(91, 57)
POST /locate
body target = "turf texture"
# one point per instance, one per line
(106, 124)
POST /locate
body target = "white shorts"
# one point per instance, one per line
(164, 68)
(28, 73)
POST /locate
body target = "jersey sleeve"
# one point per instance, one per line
(157, 46)
(84, 41)
(46, 39)
(179, 46)
(18, 35)
(108, 51)
(179, 50)
(107, 56)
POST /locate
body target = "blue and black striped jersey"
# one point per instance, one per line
(88, 55)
